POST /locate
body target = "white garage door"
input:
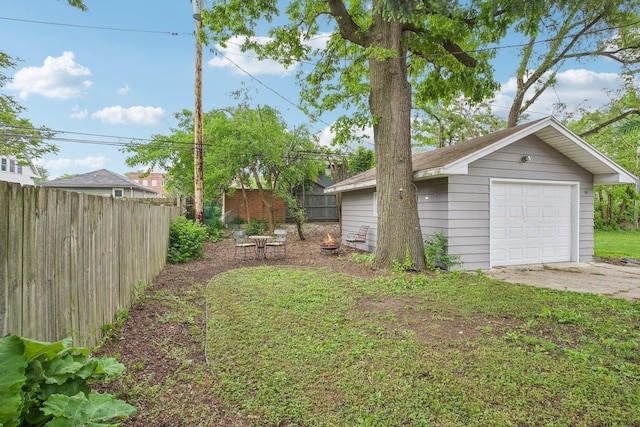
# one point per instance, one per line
(531, 223)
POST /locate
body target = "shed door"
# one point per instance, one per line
(531, 223)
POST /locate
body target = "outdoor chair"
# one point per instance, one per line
(240, 241)
(360, 237)
(279, 243)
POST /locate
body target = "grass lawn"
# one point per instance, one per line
(317, 348)
(617, 244)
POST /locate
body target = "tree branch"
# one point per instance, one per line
(609, 54)
(453, 48)
(608, 122)
(348, 28)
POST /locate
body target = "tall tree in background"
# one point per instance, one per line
(581, 30)
(18, 136)
(439, 125)
(615, 205)
(361, 160)
(243, 146)
(378, 55)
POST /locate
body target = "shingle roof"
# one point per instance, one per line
(455, 158)
(97, 179)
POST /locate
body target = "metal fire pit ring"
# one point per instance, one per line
(329, 249)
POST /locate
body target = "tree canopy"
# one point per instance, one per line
(561, 31)
(377, 57)
(20, 138)
(244, 147)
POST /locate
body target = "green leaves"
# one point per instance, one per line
(186, 240)
(81, 410)
(42, 382)
(12, 378)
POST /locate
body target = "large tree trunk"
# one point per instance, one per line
(399, 234)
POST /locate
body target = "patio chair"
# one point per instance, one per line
(279, 243)
(240, 241)
(360, 237)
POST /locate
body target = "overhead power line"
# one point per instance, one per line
(10, 131)
(93, 27)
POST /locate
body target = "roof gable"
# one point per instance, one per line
(455, 159)
(97, 179)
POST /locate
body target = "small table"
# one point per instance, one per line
(261, 244)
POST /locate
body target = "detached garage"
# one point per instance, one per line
(519, 196)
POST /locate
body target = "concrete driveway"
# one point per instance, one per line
(595, 277)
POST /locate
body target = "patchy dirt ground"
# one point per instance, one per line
(161, 343)
(163, 353)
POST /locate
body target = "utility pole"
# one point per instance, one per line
(198, 191)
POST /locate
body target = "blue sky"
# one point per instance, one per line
(127, 78)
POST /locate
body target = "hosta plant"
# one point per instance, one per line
(46, 384)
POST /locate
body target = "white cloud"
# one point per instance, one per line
(91, 162)
(248, 60)
(57, 164)
(577, 88)
(60, 166)
(319, 41)
(59, 77)
(325, 137)
(138, 115)
(365, 137)
(123, 90)
(72, 165)
(77, 113)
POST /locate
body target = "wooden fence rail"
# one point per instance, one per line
(69, 261)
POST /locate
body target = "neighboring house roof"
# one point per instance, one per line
(98, 179)
(455, 159)
(324, 180)
(35, 173)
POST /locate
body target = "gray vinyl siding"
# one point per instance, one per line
(468, 232)
(433, 212)
(468, 235)
(459, 205)
(357, 210)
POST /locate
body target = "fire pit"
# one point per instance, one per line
(329, 245)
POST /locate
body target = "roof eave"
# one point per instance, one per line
(371, 183)
(614, 179)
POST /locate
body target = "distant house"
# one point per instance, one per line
(522, 195)
(13, 170)
(102, 183)
(154, 180)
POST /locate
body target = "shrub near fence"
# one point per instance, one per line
(69, 261)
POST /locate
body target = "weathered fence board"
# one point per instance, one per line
(70, 261)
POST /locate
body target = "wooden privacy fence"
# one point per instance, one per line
(69, 261)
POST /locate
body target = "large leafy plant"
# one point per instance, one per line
(186, 240)
(46, 384)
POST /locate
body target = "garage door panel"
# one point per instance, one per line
(533, 232)
(515, 234)
(537, 226)
(533, 253)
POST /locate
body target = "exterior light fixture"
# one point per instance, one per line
(401, 193)
(525, 159)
